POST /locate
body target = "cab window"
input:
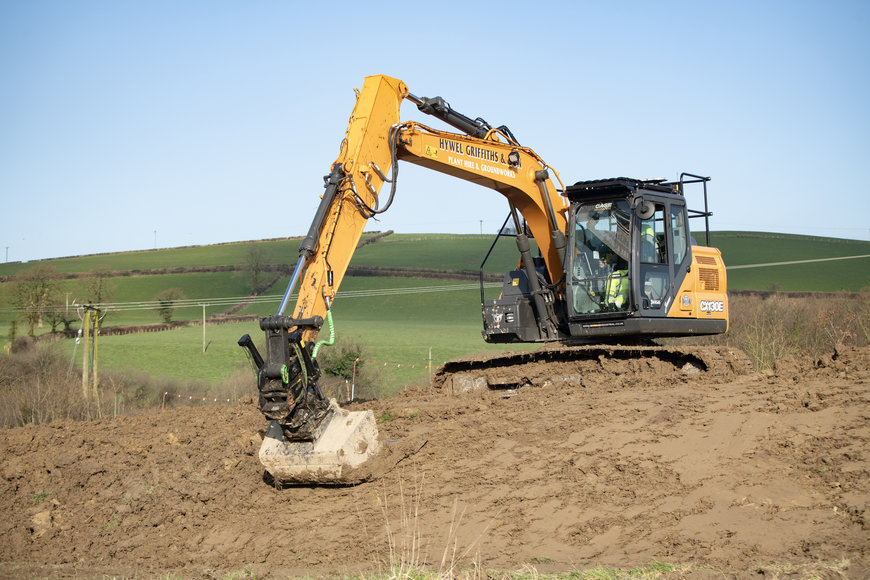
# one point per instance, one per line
(602, 249)
(653, 241)
(678, 227)
(654, 260)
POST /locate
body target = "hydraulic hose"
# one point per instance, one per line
(394, 176)
(331, 339)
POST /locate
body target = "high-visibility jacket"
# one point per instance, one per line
(616, 288)
(649, 245)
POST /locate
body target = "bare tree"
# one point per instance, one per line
(255, 264)
(167, 299)
(35, 291)
(57, 313)
(97, 285)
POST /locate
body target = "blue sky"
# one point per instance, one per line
(213, 121)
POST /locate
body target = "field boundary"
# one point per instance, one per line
(403, 272)
(792, 262)
(285, 269)
(153, 327)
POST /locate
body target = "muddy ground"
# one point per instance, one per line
(615, 464)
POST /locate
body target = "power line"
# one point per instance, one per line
(264, 299)
(796, 262)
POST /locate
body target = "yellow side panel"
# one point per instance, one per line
(704, 292)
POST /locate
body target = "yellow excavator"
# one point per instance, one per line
(616, 265)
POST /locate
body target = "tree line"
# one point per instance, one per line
(39, 298)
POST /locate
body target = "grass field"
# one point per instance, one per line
(834, 276)
(398, 332)
(745, 248)
(276, 251)
(398, 329)
(134, 289)
(439, 252)
(436, 251)
(740, 248)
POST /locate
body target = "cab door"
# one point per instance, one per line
(653, 280)
(662, 251)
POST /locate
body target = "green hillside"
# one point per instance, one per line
(434, 251)
(400, 320)
(439, 252)
(754, 262)
(757, 247)
(465, 252)
(276, 251)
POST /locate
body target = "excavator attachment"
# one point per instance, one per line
(337, 454)
(310, 439)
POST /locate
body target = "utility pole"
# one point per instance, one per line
(86, 363)
(91, 327)
(96, 333)
(203, 328)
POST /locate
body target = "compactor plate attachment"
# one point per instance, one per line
(310, 439)
(341, 445)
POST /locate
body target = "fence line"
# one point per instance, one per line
(395, 364)
(192, 398)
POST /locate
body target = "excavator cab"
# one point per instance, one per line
(630, 253)
(628, 271)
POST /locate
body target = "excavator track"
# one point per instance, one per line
(512, 370)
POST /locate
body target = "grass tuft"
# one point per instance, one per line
(39, 497)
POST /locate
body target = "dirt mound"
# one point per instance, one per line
(746, 474)
(583, 365)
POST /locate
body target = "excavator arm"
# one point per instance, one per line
(349, 200)
(301, 418)
(374, 142)
(517, 173)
